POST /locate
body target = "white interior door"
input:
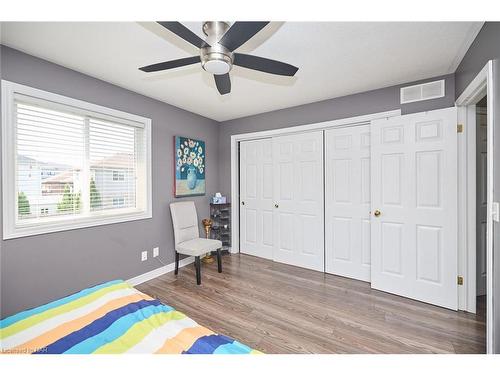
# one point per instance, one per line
(298, 194)
(481, 199)
(347, 202)
(256, 198)
(414, 188)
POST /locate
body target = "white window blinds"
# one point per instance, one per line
(50, 162)
(70, 164)
(112, 157)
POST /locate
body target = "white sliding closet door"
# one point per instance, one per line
(298, 194)
(414, 206)
(256, 198)
(347, 202)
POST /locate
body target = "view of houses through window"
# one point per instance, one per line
(68, 164)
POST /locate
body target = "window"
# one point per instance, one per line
(118, 176)
(69, 164)
(119, 202)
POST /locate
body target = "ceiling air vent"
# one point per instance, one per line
(424, 91)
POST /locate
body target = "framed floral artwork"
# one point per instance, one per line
(189, 167)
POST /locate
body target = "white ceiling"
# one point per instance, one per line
(334, 59)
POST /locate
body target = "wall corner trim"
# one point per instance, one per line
(158, 272)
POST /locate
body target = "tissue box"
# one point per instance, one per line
(218, 200)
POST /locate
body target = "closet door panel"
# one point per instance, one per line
(414, 206)
(298, 211)
(256, 198)
(347, 202)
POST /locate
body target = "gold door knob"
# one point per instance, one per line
(377, 213)
(276, 205)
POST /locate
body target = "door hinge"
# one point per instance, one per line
(460, 128)
(460, 280)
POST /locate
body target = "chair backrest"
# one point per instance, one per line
(184, 221)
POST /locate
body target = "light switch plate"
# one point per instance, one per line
(144, 256)
(156, 252)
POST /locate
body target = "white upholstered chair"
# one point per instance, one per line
(187, 237)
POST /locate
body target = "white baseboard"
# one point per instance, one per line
(158, 272)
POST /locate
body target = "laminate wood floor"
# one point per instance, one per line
(278, 308)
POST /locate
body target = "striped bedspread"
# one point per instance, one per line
(110, 318)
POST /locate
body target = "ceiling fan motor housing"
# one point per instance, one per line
(216, 59)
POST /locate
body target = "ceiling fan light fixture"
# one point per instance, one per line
(216, 62)
(216, 59)
(217, 67)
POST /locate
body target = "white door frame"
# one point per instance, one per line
(235, 139)
(466, 103)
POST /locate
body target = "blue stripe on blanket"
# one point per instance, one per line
(207, 344)
(74, 339)
(233, 348)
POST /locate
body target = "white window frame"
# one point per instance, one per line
(9, 169)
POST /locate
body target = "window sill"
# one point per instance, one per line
(38, 228)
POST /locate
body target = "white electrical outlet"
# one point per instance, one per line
(144, 256)
(156, 252)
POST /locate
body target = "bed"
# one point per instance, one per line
(110, 318)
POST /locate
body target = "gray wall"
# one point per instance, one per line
(485, 47)
(380, 100)
(37, 269)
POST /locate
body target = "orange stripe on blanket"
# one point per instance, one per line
(74, 325)
(184, 340)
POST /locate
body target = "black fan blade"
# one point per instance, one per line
(239, 33)
(171, 64)
(182, 31)
(223, 83)
(264, 65)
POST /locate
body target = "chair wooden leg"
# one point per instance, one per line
(197, 263)
(219, 261)
(176, 263)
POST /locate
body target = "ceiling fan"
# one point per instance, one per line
(217, 54)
